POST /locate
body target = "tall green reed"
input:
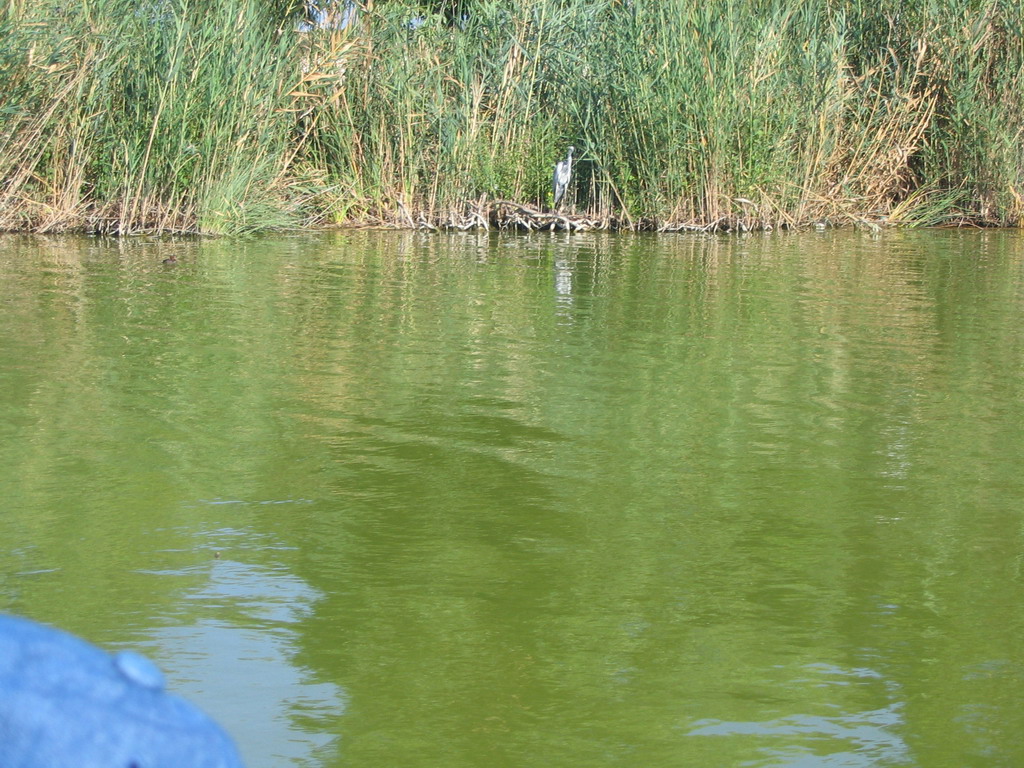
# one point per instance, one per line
(768, 112)
(127, 116)
(976, 144)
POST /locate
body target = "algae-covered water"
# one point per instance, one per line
(395, 499)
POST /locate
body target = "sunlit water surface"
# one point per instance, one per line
(394, 499)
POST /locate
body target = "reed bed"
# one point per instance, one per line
(122, 116)
(227, 117)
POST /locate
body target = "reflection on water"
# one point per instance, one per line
(546, 500)
(563, 282)
(843, 739)
(858, 740)
(233, 651)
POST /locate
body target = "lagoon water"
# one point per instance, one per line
(402, 499)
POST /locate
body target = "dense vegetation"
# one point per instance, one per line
(223, 116)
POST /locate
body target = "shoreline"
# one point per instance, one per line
(509, 216)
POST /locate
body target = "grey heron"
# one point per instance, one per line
(563, 173)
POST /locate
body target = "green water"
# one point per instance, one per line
(549, 501)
